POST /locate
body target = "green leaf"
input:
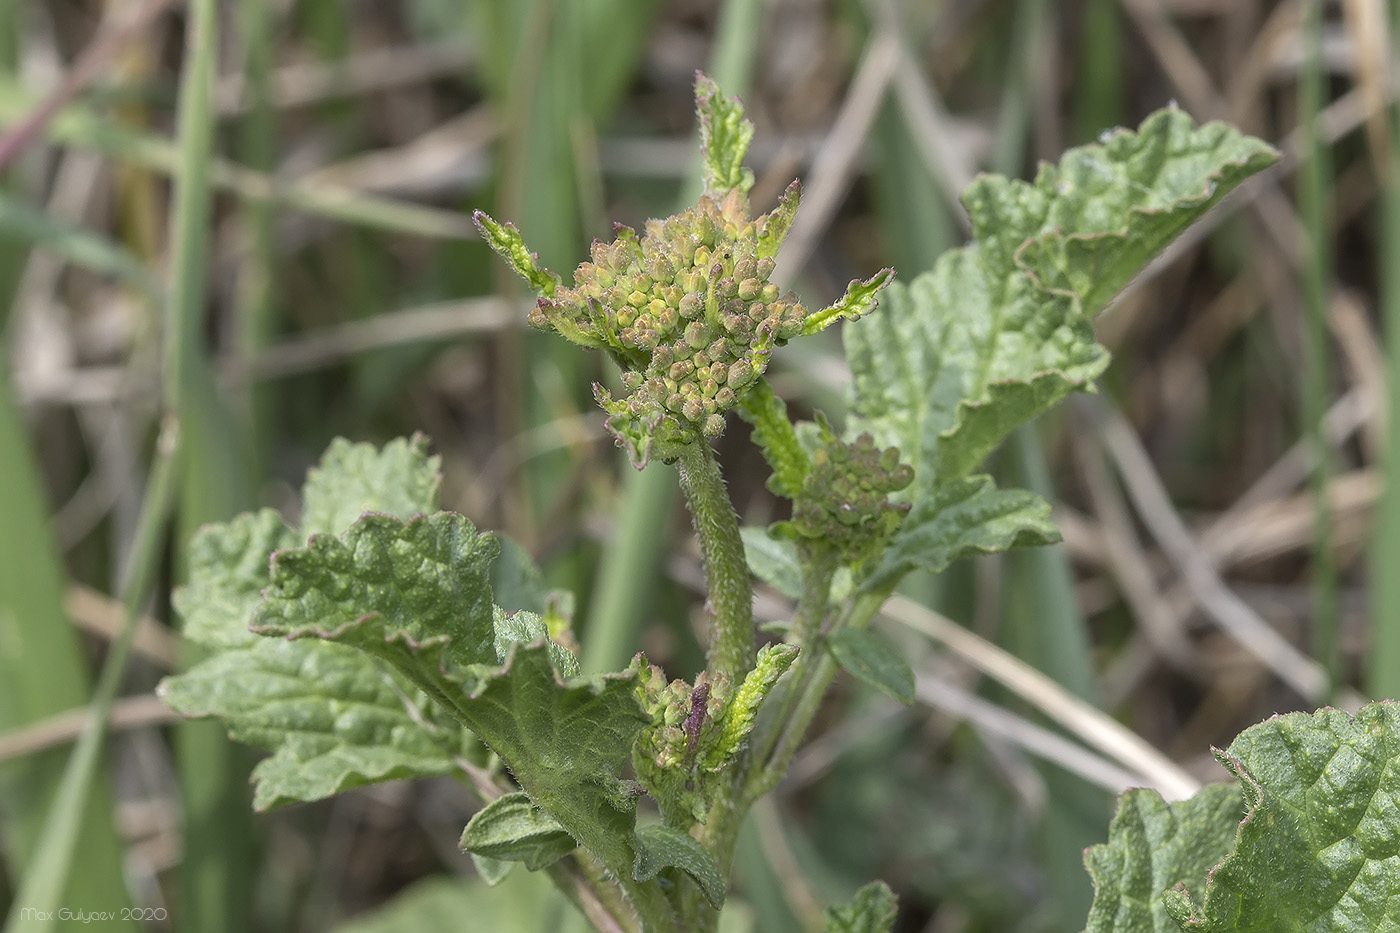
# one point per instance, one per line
(228, 569)
(773, 561)
(331, 717)
(872, 910)
(415, 595)
(724, 139)
(491, 870)
(527, 903)
(1319, 848)
(511, 828)
(516, 581)
(1152, 848)
(962, 518)
(505, 239)
(858, 301)
(777, 438)
(874, 660)
(661, 847)
(1001, 330)
(399, 479)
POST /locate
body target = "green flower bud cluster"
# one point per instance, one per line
(684, 720)
(697, 730)
(845, 498)
(687, 310)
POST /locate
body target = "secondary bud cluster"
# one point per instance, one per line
(681, 715)
(845, 498)
(688, 311)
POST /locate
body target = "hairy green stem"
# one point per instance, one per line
(809, 686)
(811, 610)
(730, 594)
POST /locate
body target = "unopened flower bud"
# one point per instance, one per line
(740, 374)
(693, 409)
(769, 293)
(750, 288)
(724, 398)
(697, 334)
(692, 304)
(745, 268)
(714, 426)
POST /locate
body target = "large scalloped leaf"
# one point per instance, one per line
(1001, 330)
(332, 719)
(399, 479)
(961, 518)
(416, 595)
(1152, 847)
(228, 570)
(1318, 849)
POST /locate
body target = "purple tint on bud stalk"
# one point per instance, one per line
(695, 719)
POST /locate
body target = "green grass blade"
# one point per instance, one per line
(1315, 203)
(39, 898)
(1383, 660)
(42, 673)
(80, 128)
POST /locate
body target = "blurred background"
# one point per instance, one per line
(1230, 544)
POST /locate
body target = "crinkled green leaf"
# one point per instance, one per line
(513, 829)
(724, 138)
(331, 717)
(659, 847)
(228, 570)
(1152, 847)
(961, 518)
(874, 660)
(872, 910)
(858, 301)
(1001, 330)
(415, 595)
(505, 239)
(412, 593)
(399, 479)
(1319, 848)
